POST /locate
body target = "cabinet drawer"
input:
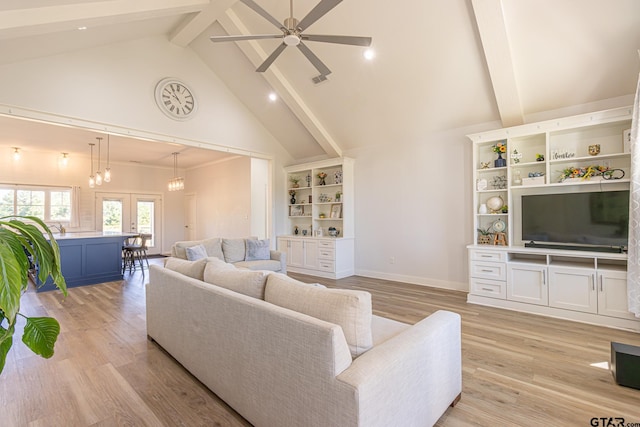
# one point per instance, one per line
(326, 244)
(484, 255)
(489, 288)
(489, 270)
(326, 265)
(329, 254)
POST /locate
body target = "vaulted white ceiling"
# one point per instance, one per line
(440, 64)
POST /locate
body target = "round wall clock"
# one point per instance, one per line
(499, 226)
(175, 99)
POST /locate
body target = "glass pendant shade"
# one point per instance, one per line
(98, 173)
(177, 182)
(92, 178)
(107, 170)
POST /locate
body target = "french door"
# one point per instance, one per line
(131, 213)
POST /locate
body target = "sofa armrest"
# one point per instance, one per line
(415, 375)
(282, 257)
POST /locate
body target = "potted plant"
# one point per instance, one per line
(485, 236)
(23, 244)
(294, 181)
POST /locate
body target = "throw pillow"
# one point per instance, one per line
(233, 250)
(194, 269)
(196, 252)
(247, 282)
(351, 310)
(257, 250)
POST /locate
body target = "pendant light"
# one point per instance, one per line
(92, 179)
(177, 182)
(107, 170)
(98, 173)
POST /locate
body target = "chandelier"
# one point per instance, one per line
(177, 182)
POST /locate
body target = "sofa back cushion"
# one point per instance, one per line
(213, 247)
(233, 249)
(194, 269)
(247, 282)
(351, 310)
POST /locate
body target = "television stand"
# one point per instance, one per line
(586, 248)
(577, 285)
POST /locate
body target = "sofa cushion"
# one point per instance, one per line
(349, 309)
(233, 249)
(267, 264)
(247, 282)
(194, 269)
(196, 252)
(212, 246)
(383, 329)
(257, 250)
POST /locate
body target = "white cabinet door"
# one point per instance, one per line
(310, 254)
(573, 289)
(612, 294)
(527, 283)
(294, 249)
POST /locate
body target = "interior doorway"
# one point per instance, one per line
(131, 213)
(190, 212)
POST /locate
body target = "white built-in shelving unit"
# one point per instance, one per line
(585, 286)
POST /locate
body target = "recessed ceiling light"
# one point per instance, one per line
(82, 28)
(273, 97)
(369, 54)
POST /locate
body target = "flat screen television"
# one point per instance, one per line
(590, 221)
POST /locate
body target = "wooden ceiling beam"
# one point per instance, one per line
(495, 43)
(41, 20)
(194, 26)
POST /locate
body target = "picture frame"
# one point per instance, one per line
(296, 210)
(336, 211)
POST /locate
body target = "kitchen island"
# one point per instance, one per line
(88, 258)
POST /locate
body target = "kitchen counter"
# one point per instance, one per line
(88, 257)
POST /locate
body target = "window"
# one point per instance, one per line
(48, 204)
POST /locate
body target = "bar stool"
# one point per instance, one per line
(129, 248)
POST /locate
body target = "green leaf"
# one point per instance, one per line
(40, 335)
(6, 340)
(11, 277)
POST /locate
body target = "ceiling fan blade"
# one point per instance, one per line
(323, 69)
(350, 40)
(317, 12)
(267, 62)
(260, 11)
(216, 39)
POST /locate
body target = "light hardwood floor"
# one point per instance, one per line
(518, 369)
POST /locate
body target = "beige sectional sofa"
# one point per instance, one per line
(235, 251)
(285, 353)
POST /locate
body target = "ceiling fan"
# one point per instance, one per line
(292, 34)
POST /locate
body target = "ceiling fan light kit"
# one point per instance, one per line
(292, 35)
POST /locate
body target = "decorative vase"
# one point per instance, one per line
(293, 200)
(321, 182)
(500, 162)
(295, 230)
(483, 209)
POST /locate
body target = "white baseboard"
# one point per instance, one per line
(415, 280)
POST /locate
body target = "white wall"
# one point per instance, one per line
(412, 209)
(260, 194)
(223, 194)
